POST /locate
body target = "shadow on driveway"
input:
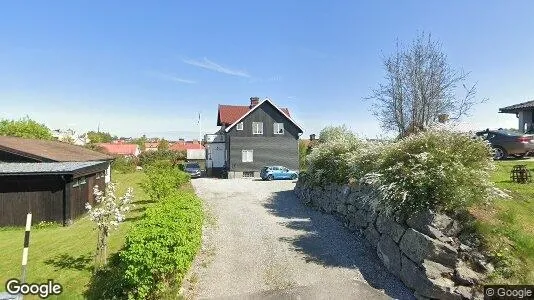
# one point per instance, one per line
(326, 242)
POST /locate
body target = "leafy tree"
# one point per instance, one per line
(150, 157)
(141, 142)
(25, 128)
(99, 137)
(163, 145)
(419, 86)
(303, 152)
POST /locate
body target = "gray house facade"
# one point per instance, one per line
(260, 134)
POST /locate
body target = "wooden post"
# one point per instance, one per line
(26, 246)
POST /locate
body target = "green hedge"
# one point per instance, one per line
(162, 178)
(160, 248)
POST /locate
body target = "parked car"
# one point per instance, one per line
(506, 142)
(277, 172)
(193, 169)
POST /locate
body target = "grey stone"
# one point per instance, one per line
(351, 209)
(465, 276)
(419, 247)
(386, 225)
(342, 208)
(389, 253)
(465, 248)
(433, 224)
(464, 291)
(359, 218)
(418, 279)
(372, 235)
(420, 297)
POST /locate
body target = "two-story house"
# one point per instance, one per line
(250, 137)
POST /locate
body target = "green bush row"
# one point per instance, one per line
(162, 179)
(160, 248)
(436, 169)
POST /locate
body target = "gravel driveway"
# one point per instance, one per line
(260, 242)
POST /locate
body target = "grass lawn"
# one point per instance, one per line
(508, 227)
(65, 254)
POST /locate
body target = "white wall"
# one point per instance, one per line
(196, 154)
(108, 174)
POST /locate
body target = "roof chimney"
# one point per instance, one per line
(254, 101)
(312, 137)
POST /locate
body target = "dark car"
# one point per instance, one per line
(193, 169)
(508, 143)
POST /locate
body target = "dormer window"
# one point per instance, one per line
(239, 126)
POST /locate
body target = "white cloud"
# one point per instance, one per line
(170, 77)
(213, 66)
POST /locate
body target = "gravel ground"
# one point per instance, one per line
(260, 242)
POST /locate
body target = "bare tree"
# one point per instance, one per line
(419, 87)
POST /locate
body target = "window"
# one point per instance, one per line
(257, 127)
(239, 126)
(247, 155)
(248, 174)
(278, 128)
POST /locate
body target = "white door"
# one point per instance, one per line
(216, 155)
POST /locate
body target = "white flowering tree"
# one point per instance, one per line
(107, 214)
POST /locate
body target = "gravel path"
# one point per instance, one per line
(260, 242)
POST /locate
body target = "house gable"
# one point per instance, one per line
(282, 112)
(268, 114)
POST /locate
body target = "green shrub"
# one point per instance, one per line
(160, 248)
(150, 157)
(124, 164)
(162, 178)
(326, 163)
(437, 169)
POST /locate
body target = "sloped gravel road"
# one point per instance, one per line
(260, 242)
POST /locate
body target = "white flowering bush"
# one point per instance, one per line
(436, 169)
(327, 161)
(107, 214)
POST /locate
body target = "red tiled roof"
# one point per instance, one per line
(43, 150)
(228, 114)
(184, 146)
(121, 149)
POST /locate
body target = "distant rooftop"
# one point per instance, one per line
(529, 105)
(52, 168)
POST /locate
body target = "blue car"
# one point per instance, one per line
(277, 172)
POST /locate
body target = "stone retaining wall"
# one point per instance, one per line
(427, 251)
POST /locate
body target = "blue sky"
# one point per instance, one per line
(140, 67)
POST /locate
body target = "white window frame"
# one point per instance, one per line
(247, 155)
(82, 181)
(239, 126)
(75, 183)
(259, 127)
(277, 127)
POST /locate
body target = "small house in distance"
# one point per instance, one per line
(50, 179)
(251, 137)
(524, 113)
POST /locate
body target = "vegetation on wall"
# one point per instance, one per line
(436, 169)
